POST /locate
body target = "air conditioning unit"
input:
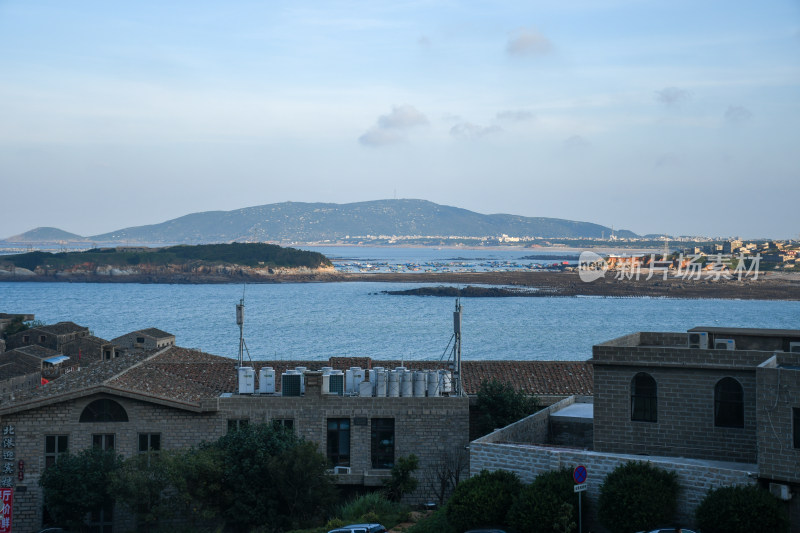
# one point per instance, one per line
(724, 344)
(344, 470)
(698, 339)
(291, 384)
(780, 491)
(794, 347)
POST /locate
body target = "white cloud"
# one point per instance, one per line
(467, 130)
(515, 116)
(673, 96)
(737, 115)
(391, 128)
(528, 42)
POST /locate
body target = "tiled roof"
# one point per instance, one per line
(62, 328)
(187, 376)
(34, 350)
(13, 364)
(154, 332)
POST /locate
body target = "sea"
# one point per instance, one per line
(315, 321)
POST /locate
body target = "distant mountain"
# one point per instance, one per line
(45, 235)
(306, 222)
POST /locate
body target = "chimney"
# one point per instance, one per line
(313, 384)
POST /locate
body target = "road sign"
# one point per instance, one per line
(579, 474)
(583, 487)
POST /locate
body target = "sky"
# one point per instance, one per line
(679, 117)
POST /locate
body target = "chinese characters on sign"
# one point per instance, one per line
(6, 505)
(7, 470)
(713, 267)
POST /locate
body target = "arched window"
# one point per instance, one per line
(644, 398)
(728, 404)
(104, 411)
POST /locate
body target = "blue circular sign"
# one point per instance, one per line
(579, 474)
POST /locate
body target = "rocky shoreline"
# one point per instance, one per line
(768, 286)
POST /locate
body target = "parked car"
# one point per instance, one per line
(359, 528)
(669, 530)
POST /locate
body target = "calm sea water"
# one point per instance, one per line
(318, 320)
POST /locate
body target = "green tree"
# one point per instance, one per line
(482, 500)
(258, 476)
(77, 484)
(741, 509)
(402, 480)
(638, 496)
(499, 405)
(540, 507)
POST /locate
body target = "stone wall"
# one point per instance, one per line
(779, 393)
(528, 461)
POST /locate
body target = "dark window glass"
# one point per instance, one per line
(283, 423)
(382, 442)
(235, 424)
(54, 445)
(796, 426)
(104, 441)
(339, 441)
(644, 398)
(728, 404)
(104, 411)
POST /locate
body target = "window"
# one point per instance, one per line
(283, 423)
(728, 404)
(54, 445)
(107, 354)
(150, 445)
(140, 340)
(101, 519)
(644, 398)
(42, 338)
(103, 442)
(104, 411)
(382, 442)
(339, 441)
(235, 424)
(796, 426)
(26, 339)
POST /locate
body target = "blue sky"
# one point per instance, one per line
(678, 117)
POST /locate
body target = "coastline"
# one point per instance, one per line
(768, 286)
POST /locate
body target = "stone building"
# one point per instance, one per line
(719, 406)
(51, 336)
(174, 398)
(144, 339)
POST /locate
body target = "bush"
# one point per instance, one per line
(539, 507)
(499, 405)
(435, 523)
(483, 500)
(746, 509)
(373, 507)
(402, 481)
(638, 496)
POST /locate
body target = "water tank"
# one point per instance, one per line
(266, 380)
(365, 389)
(326, 370)
(301, 370)
(433, 383)
(406, 384)
(445, 381)
(420, 383)
(247, 380)
(380, 383)
(394, 383)
(356, 375)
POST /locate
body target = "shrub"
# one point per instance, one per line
(637, 496)
(741, 509)
(435, 523)
(402, 481)
(483, 499)
(540, 506)
(499, 405)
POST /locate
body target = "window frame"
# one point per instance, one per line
(283, 424)
(338, 441)
(379, 429)
(728, 410)
(644, 398)
(103, 410)
(51, 458)
(235, 424)
(796, 427)
(101, 441)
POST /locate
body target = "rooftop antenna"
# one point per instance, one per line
(457, 349)
(240, 323)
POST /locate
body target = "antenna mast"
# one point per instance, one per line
(240, 322)
(457, 349)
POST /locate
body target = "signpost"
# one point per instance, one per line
(579, 475)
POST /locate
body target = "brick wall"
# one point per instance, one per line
(779, 393)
